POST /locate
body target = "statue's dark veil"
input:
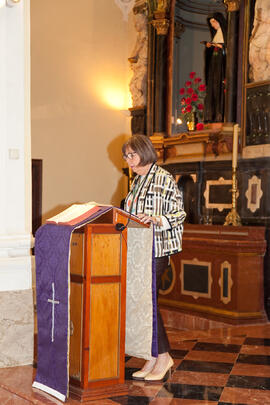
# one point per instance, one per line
(222, 22)
(215, 68)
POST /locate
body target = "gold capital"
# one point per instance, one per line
(161, 25)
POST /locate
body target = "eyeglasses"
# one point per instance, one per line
(129, 155)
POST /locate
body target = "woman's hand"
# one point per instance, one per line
(146, 219)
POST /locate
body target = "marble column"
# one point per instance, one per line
(231, 60)
(161, 24)
(160, 85)
(16, 297)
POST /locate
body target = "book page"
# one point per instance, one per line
(72, 212)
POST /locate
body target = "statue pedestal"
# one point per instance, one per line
(138, 120)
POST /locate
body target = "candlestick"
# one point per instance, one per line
(235, 145)
(233, 218)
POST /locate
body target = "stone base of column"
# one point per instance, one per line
(16, 300)
(16, 328)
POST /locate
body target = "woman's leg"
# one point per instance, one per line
(163, 342)
(164, 361)
(158, 366)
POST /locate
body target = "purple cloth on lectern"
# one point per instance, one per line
(52, 244)
(154, 300)
(52, 255)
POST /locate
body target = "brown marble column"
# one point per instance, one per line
(161, 24)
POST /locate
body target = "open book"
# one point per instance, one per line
(75, 213)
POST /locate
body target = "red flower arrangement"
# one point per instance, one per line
(192, 102)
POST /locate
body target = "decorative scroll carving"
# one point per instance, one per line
(141, 6)
(254, 193)
(179, 29)
(233, 5)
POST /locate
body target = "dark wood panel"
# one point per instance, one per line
(36, 194)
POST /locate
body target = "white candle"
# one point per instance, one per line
(235, 146)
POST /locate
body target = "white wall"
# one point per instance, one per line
(80, 75)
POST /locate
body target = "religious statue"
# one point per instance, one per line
(215, 67)
(259, 51)
(138, 61)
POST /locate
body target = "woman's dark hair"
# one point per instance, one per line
(142, 145)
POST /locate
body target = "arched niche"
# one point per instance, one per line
(188, 30)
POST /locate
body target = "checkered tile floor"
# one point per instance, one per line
(218, 367)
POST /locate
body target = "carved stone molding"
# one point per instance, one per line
(232, 5)
(125, 6)
(138, 62)
(18, 245)
(12, 2)
(9, 3)
(140, 7)
(179, 29)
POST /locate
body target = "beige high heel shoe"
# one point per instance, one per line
(140, 374)
(160, 376)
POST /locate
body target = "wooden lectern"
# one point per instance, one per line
(97, 307)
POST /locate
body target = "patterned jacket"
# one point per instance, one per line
(159, 196)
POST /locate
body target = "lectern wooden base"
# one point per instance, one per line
(97, 308)
(91, 394)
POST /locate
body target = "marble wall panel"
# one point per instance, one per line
(16, 328)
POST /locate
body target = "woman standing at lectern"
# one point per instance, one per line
(155, 198)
